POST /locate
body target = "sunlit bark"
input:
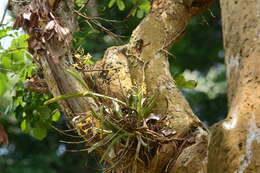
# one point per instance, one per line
(235, 142)
(143, 62)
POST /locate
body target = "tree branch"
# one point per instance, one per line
(141, 63)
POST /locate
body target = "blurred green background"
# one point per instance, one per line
(34, 146)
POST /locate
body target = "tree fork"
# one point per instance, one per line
(143, 61)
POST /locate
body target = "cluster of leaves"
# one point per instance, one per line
(14, 60)
(15, 66)
(182, 83)
(139, 9)
(34, 116)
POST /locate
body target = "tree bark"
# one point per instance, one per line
(143, 62)
(235, 142)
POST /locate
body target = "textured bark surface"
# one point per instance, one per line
(143, 62)
(235, 142)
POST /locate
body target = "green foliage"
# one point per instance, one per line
(27, 155)
(111, 3)
(80, 2)
(34, 116)
(120, 4)
(3, 83)
(15, 67)
(39, 131)
(182, 83)
(15, 58)
(25, 126)
(56, 116)
(5, 31)
(139, 9)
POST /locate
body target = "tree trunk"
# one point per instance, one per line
(143, 64)
(235, 142)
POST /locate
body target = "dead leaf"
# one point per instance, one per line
(3, 136)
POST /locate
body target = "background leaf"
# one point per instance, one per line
(120, 5)
(39, 132)
(56, 116)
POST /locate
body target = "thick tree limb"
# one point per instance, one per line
(148, 64)
(141, 63)
(235, 142)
